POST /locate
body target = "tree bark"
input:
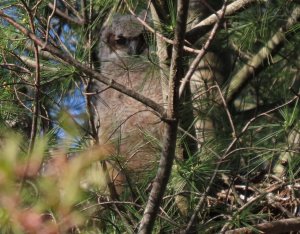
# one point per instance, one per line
(275, 227)
(170, 133)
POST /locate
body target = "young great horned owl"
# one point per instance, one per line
(123, 120)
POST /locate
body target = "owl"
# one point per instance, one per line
(130, 125)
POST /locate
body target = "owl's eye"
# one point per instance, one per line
(121, 40)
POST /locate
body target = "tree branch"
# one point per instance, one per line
(154, 31)
(98, 76)
(37, 85)
(65, 16)
(170, 133)
(205, 25)
(193, 67)
(275, 227)
(227, 152)
(262, 58)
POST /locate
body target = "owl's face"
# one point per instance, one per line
(125, 36)
(130, 45)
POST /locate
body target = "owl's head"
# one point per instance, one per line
(123, 36)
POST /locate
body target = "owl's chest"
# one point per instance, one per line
(136, 76)
(117, 109)
(119, 102)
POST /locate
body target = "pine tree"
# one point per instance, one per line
(229, 155)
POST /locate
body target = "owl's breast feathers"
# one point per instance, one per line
(122, 118)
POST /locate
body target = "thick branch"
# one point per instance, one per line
(170, 134)
(160, 10)
(32, 63)
(275, 227)
(205, 25)
(43, 54)
(263, 57)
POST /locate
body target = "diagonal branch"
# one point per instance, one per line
(205, 25)
(194, 66)
(88, 71)
(154, 31)
(78, 20)
(263, 57)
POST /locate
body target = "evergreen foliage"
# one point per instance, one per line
(236, 174)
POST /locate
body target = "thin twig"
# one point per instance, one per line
(48, 22)
(159, 35)
(15, 68)
(193, 67)
(227, 111)
(65, 16)
(36, 84)
(74, 11)
(271, 189)
(221, 160)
